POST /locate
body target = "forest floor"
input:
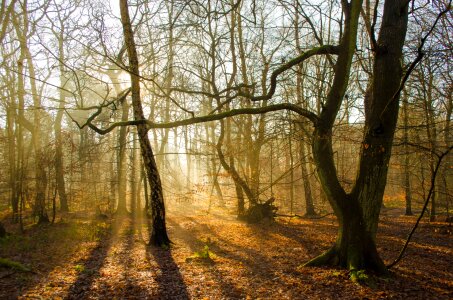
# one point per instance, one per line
(80, 258)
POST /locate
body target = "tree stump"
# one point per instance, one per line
(261, 211)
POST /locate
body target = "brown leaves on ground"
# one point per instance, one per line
(103, 261)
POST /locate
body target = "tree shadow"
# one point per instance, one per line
(169, 279)
(255, 263)
(46, 249)
(126, 284)
(303, 234)
(90, 267)
(170, 282)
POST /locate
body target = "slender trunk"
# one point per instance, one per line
(241, 202)
(133, 177)
(309, 206)
(40, 172)
(10, 121)
(431, 133)
(59, 164)
(145, 189)
(448, 138)
(291, 168)
(168, 85)
(122, 170)
(158, 234)
(407, 181)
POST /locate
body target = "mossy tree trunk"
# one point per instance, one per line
(158, 234)
(358, 211)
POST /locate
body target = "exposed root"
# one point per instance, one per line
(360, 266)
(328, 258)
(260, 211)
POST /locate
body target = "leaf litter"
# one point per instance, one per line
(218, 257)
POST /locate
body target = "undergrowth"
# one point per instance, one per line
(7, 263)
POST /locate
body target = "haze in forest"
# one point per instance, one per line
(202, 136)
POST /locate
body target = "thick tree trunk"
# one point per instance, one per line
(358, 212)
(158, 234)
(355, 247)
(40, 168)
(117, 183)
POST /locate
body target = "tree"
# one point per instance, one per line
(22, 27)
(59, 30)
(358, 211)
(158, 235)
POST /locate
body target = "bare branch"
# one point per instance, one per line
(431, 189)
(420, 55)
(231, 113)
(326, 49)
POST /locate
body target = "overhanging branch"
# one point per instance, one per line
(214, 117)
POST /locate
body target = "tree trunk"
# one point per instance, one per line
(158, 234)
(122, 170)
(431, 132)
(161, 159)
(309, 207)
(241, 202)
(145, 189)
(355, 247)
(59, 165)
(40, 172)
(134, 177)
(407, 181)
(358, 212)
(13, 179)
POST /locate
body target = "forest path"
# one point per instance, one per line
(246, 262)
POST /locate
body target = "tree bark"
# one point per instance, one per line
(158, 234)
(358, 211)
